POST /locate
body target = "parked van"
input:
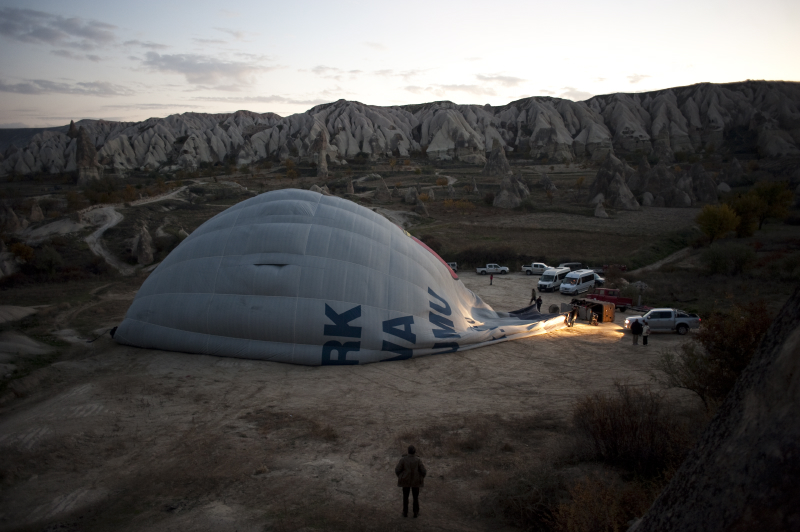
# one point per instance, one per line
(577, 282)
(572, 265)
(453, 266)
(552, 278)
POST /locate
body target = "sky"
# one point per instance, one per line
(62, 61)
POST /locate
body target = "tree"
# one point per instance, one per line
(709, 364)
(776, 198)
(717, 220)
(392, 163)
(746, 207)
(291, 171)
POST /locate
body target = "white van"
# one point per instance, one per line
(577, 282)
(552, 278)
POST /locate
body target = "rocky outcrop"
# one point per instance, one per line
(350, 189)
(421, 209)
(428, 191)
(742, 473)
(747, 116)
(610, 181)
(382, 194)
(512, 192)
(36, 213)
(600, 211)
(86, 159)
(547, 183)
(704, 188)
(411, 196)
(320, 151)
(496, 162)
(9, 221)
(142, 247)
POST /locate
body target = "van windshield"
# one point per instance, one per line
(547, 278)
(571, 280)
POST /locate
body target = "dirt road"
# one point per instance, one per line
(128, 439)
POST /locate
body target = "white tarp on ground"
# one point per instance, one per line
(295, 276)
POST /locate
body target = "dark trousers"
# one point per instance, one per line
(415, 494)
(644, 340)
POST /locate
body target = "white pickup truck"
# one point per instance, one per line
(667, 319)
(492, 268)
(537, 268)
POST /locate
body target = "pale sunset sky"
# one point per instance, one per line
(129, 61)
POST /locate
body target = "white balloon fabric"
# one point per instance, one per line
(295, 276)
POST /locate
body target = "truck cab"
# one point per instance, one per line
(537, 268)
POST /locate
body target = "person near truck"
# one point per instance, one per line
(411, 477)
(533, 297)
(645, 333)
(491, 279)
(539, 304)
(636, 330)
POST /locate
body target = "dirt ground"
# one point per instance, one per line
(114, 437)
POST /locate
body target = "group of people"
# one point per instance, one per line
(537, 300)
(640, 328)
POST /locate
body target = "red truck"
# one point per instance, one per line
(612, 296)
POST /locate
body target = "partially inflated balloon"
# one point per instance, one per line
(295, 276)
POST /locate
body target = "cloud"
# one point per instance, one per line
(146, 44)
(38, 27)
(333, 72)
(150, 106)
(202, 68)
(229, 14)
(66, 54)
(210, 41)
(263, 99)
(599, 80)
(236, 34)
(442, 90)
(376, 45)
(572, 93)
(636, 78)
(506, 81)
(405, 74)
(548, 92)
(42, 86)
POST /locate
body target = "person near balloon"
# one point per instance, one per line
(539, 304)
(491, 279)
(411, 477)
(533, 297)
(636, 330)
(645, 333)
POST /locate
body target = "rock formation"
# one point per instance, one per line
(496, 162)
(742, 472)
(451, 192)
(350, 189)
(382, 194)
(411, 196)
(142, 247)
(610, 181)
(421, 209)
(475, 187)
(86, 159)
(319, 150)
(429, 191)
(36, 212)
(511, 193)
(753, 116)
(547, 183)
(9, 221)
(600, 211)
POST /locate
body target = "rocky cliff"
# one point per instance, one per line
(753, 116)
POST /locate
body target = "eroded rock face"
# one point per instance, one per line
(742, 473)
(600, 211)
(9, 221)
(86, 159)
(350, 189)
(382, 194)
(411, 196)
(610, 181)
(142, 247)
(511, 193)
(36, 213)
(421, 209)
(760, 116)
(497, 163)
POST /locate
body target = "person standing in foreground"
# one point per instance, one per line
(533, 296)
(636, 330)
(411, 477)
(491, 278)
(539, 304)
(645, 333)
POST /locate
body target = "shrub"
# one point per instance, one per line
(424, 197)
(747, 207)
(728, 259)
(710, 364)
(442, 182)
(775, 199)
(529, 499)
(22, 251)
(632, 428)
